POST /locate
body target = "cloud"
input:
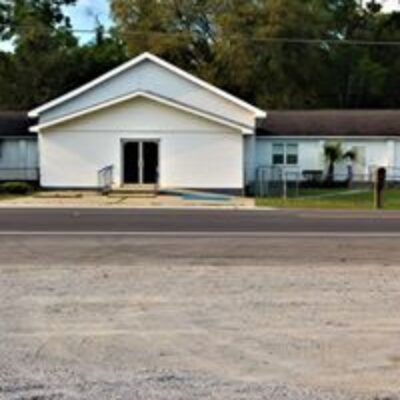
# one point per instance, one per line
(392, 5)
(388, 5)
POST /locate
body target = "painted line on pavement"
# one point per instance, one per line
(208, 234)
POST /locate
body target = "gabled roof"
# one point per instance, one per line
(331, 123)
(15, 123)
(135, 61)
(150, 96)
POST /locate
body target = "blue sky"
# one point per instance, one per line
(83, 14)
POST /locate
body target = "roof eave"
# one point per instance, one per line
(33, 114)
(129, 64)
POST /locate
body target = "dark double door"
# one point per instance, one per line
(141, 162)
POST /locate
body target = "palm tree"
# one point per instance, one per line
(333, 152)
(350, 155)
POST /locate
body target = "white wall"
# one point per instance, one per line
(397, 154)
(310, 154)
(377, 152)
(194, 152)
(370, 153)
(148, 76)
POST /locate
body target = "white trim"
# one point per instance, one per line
(244, 129)
(143, 57)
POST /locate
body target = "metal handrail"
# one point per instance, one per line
(105, 177)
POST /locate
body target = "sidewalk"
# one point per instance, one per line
(92, 199)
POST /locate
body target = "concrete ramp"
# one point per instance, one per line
(198, 195)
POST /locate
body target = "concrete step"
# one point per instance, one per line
(132, 195)
(134, 191)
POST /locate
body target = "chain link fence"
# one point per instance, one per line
(289, 182)
(276, 181)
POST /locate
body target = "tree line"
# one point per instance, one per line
(261, 50)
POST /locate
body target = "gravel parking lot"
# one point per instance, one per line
(196, 318)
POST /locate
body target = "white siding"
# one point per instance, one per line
(310, 156)
(194, 152)
(148, 76)
(397, 154)
(377, 152)
(309, 152)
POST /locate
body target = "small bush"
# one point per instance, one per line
(16, 188)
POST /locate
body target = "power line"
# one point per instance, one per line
(310, 41)
(342, 42)
(260, 39)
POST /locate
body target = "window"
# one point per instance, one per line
(285, 154)
(292, 156)
(278, 154)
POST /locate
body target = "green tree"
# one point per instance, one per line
(43, 40)
(291, 72)
(333, 153)
(178, 30)
(21, 19)
(45, 61)
(355, 75)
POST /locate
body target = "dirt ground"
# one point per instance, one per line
(198, 328)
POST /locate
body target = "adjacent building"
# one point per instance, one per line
(18, 148)
(295, 141)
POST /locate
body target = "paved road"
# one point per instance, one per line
(200, 222)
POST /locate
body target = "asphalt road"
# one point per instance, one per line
(200, 222)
